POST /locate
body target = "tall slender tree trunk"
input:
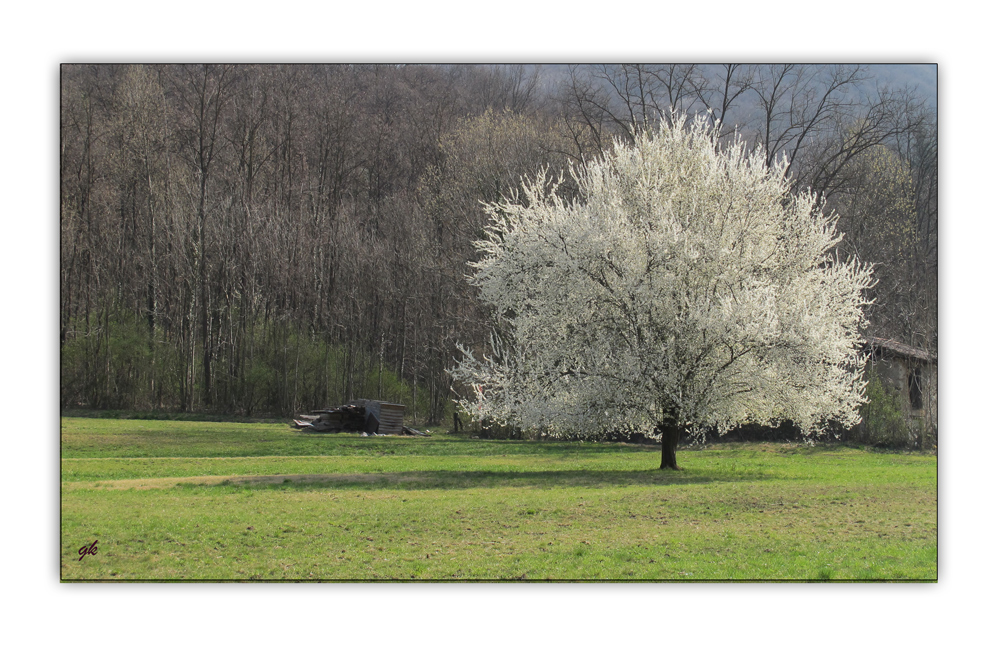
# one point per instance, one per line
(671, 431)
(206, 347)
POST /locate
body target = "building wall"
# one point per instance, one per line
(914, 384)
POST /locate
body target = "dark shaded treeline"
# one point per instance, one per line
(272, 238)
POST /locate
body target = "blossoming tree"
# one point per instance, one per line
(686, 287)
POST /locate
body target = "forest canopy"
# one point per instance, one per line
(261, 239)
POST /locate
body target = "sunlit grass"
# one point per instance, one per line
(443, 508)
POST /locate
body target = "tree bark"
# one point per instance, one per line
(671, 431)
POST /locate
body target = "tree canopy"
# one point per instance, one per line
(686, 286)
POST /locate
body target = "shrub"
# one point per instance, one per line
(883, 424)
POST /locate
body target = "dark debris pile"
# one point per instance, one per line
(369, 418)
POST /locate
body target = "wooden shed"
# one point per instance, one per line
(911, 373)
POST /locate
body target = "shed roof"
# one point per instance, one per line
(901, 349)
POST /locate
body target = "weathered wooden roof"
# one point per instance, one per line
(901, 349)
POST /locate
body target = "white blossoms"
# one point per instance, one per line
(686, 283)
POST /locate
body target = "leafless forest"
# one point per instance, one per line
(263, 239)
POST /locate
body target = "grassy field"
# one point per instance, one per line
(179, 500)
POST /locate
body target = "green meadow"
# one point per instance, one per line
(181, 500)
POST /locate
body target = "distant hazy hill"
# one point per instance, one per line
(922, 77)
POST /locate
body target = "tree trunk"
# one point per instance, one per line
(671, 431)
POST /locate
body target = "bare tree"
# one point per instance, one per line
(202, 93)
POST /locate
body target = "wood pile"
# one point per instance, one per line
(369, 417)
(345, 418)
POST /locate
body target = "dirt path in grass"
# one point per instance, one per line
(274, 479)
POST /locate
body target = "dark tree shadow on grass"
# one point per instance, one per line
(456, 480)
(197, 443)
